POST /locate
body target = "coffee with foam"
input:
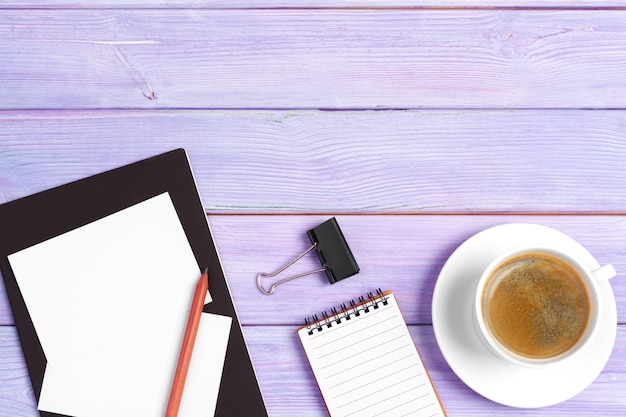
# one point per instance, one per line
(535, 305)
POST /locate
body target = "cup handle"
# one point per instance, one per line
(604, 273)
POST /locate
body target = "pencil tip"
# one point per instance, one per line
(206, 271)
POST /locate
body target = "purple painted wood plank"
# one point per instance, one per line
(335, 59)
(329, 162)
(289, 388)
(312, 4)
(16, 393)
(401, 253)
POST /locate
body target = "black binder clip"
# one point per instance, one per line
(332, 251)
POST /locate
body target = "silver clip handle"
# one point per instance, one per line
(273, 274)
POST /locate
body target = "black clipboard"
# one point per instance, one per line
(39, 217)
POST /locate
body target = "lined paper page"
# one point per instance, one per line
(369, 366)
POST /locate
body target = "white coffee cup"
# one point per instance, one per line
(590, 280)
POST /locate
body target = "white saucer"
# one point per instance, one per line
(483, 371)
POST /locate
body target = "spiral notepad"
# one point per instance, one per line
(365, 361)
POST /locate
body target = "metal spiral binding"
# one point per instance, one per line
(345, 312)
(354, 308)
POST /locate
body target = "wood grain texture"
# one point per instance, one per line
(453, 117)
(16, 393)
(310, 4)
(329, 59)
(456, 397)
(254, 162)
(289, 388)
(401, 253)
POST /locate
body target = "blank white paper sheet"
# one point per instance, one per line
(109, 302)
(107, 280)
(133, 377)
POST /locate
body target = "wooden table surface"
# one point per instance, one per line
(416, 123)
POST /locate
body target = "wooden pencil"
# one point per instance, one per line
(184, 358)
